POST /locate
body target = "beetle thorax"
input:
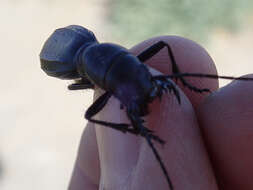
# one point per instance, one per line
(96, 60)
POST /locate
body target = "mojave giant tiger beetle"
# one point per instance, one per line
(73, 52)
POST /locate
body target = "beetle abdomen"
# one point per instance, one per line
(129, 80)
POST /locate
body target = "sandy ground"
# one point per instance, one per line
(41, 122)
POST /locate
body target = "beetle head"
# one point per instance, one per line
(58, 52)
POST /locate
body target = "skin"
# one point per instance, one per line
(208, 137)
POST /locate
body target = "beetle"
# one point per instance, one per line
(73, 53)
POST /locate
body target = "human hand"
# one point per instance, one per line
(124, 161)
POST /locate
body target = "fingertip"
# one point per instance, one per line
(226, 119)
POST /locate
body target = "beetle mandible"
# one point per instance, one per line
(73, 52)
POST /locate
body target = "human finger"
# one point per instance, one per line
(120, 153)
(177, 124)
(86, 172)
(226, 119)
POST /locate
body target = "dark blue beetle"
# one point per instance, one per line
(73, 52)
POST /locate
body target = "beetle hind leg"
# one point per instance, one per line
(158, 46)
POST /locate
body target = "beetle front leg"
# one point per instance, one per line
(84, 83)
(163, 84)
(154, 49)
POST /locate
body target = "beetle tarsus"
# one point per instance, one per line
(163, 85)
(154, 137)
(191, 87)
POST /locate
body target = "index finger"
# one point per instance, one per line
(128, 159)
(176, 123)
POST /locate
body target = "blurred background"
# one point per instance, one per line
(41, 121)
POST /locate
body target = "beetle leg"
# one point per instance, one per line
(163, 84)
(136, 121)
(97, 106)
(154, 49)
(84, 83)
